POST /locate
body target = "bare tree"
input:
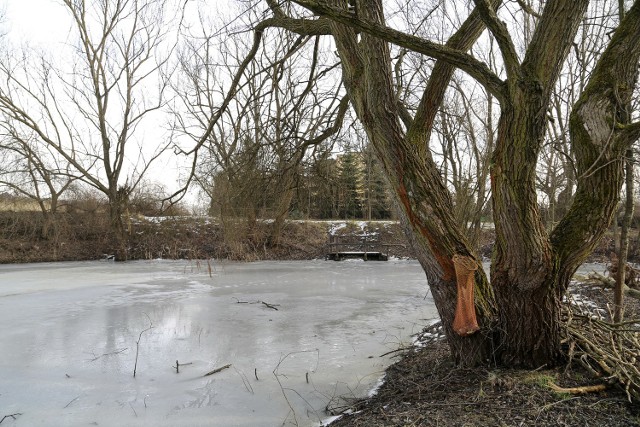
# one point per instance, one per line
(93, 112)
(284, 104)
(625, 120)
(35, 172)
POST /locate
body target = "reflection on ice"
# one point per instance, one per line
(68, 344)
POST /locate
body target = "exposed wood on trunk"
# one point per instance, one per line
(465, 322)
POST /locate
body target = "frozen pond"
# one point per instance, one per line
(69, 332)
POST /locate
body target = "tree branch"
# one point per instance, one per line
(630, 133)
(499, 30)
(465, 62)
(547, 51)
(528, 9)
(343, 107)
(433, 95)
(599, 145)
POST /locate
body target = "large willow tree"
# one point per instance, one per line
(515, 317)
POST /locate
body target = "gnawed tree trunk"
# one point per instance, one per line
(425, 202)
(530, 271)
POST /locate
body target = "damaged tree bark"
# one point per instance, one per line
(465, 322)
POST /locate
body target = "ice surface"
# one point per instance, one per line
(69, 332)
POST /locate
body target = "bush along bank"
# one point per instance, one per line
(86, 236)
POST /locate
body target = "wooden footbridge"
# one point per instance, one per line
(359, 246)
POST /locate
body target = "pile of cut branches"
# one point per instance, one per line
(610, 351)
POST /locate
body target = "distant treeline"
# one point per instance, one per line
(350, 185)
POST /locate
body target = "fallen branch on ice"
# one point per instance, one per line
(215, 371)
(178, 364)
(108, 354)
(269, 305)
(10, 416)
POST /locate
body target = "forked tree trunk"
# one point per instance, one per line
(519, 313)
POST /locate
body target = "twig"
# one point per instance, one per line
(396, 350)
(215, 371)
(269, 305)
(108, 354)
(209, 268)
(135, 366)
(277, 375)
(549, 405)
(10, 416)
(178, 364)
(72, 400)
(255, 372)
(245, 381)
(133, 409)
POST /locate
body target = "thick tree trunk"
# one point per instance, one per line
(425, 203)
(283, 204)
(468, 350)
(117, 210)
(529, 322)
(286, 191)
(521, 271)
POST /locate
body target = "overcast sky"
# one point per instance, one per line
(41, 22)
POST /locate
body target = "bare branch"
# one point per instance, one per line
(499, 31)
(465, 62)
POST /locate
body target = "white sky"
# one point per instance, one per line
(41, 22)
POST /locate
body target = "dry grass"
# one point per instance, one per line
(85, 235)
